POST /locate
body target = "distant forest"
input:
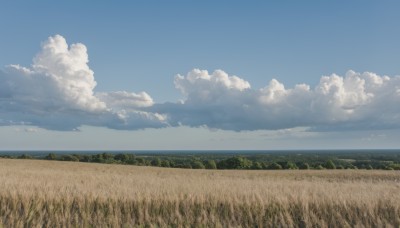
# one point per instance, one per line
(386, 160)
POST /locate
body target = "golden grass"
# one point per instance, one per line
(66, 194)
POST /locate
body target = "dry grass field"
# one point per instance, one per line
(37, 193)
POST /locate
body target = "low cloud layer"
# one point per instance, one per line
(353, 102)
(57, 92)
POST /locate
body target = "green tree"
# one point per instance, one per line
(123, 157)
(264, 165)
(98, 158)
(257, 165)
(165, 163)
(330, 165)
(69, 158)
(184, 165)
(395, 166)
(108, 157)
(140, 161)
(156, 162)
(197, 165)
(290, 165)
(172, 163)
(79, 156)
(304, 165)
(210, 164)
(274, 166)
(237, 163)
(132, 161)
(25, 156)
(51, 156)
(350, 166)
(86, 158)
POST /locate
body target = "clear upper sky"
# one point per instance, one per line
(139, 46)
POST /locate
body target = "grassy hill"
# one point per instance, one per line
(37, 193)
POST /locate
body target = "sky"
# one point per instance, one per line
(186, 75)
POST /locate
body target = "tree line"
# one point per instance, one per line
(222, 162)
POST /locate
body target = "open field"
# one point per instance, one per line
(35, 193)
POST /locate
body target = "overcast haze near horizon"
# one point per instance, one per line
(199, 75)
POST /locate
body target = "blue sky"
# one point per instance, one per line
(139, 46)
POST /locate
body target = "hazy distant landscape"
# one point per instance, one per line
(228, 159)
(37, 193)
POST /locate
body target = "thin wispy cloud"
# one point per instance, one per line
(57, 92)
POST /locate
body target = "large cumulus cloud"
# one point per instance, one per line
(56, 92)
(354, 102)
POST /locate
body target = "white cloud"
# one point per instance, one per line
(355, 101)
(56, 92)
(200, 81)
(126, 100)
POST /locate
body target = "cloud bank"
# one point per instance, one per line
(354, 102)
(57, 92)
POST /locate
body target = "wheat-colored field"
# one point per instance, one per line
(37, 193)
